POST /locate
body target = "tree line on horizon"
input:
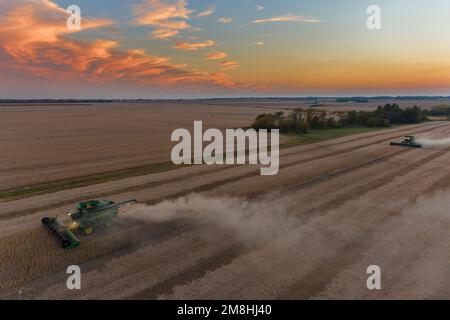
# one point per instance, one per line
(302, 120)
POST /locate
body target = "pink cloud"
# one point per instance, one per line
(217, 55)
(205, 13)
(287, 18)
(193, 46)
(163, 34)
(225, 20)
(230, 65)
(159, 13)
(34, 38)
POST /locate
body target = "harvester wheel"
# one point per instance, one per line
(88, 230)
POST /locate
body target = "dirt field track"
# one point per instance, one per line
(203, 232)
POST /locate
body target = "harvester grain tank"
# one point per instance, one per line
(408, 141)
(88, 216)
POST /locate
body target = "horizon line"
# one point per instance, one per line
(3, 100)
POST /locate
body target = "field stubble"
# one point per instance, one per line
(308, 232)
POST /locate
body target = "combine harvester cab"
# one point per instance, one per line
(408, 141)
(89, 216)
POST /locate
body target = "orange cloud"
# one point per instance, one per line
(183, 45)
(163, 34)
(33, 35)
(217, 55)
(287, 18)
(26, 25)
(230, 65)
(162, 14)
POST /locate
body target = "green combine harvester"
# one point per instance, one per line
(89, 216)
(408, 141)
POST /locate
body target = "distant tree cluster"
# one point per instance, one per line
(442, 110)
(393, 114)
(352, 99)
(301, 120)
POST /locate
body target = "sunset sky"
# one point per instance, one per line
(201, 48)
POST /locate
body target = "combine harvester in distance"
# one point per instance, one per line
(408, 141)
(89, 216)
